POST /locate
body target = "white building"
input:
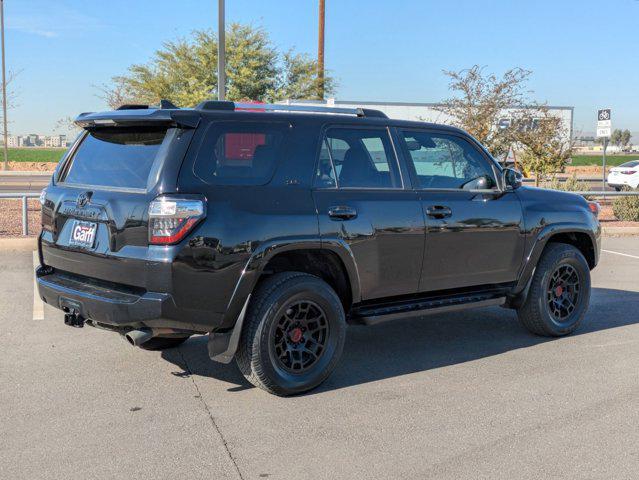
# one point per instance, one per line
(15, 141)
(427, 112)
(53, 141)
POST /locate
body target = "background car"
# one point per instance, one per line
(625, 175)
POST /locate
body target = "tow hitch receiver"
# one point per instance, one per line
(73, 320)
(72, 311)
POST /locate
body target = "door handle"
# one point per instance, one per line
(342, 212)
(438, 211)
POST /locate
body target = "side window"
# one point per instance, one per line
(325, 175)
(357, 158)
(240, 153)
(447, 161)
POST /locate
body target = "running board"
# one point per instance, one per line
(373, 315)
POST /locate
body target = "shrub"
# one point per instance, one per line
(572, 184)
(626, 208)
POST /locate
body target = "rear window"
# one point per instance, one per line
(116, 157)
(240, 153)
(631, 164)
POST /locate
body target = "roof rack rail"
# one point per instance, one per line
(164, 105)
(277, 107)
(132, 106)
(215, 105)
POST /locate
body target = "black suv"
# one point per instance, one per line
(270, 227)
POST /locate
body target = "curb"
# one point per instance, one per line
(24, 173)
(19, 244)
(619, 231)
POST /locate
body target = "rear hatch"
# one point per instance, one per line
(95, 212)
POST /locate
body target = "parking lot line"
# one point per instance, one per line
(622, 254)
(38, 304)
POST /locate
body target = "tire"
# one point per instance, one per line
(163, 343)
(547, 309)
(293, 334)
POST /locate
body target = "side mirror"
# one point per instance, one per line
(511, 178)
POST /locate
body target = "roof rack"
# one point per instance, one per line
(164, 105)
(276, 107)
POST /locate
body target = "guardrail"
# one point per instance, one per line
(564, 179)
(600, 193)
(24, 196)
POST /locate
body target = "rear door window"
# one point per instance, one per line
(115, 157)
(240, 153)
(357, 158)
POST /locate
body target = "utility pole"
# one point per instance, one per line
(221, 52)
(4, 91)
(320, 51)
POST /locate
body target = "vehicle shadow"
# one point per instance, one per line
(418, 344)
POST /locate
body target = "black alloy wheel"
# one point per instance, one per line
(299, 336)
(563, 292)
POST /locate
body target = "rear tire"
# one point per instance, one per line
(163, 343)
(293, 334)
(559, 292)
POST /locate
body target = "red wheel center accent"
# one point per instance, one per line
(559, 291)
(295, 335)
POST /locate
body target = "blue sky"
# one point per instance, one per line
(580, 55)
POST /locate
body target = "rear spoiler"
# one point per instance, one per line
(138, 116)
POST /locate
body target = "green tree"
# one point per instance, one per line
(626, 136)
(616, 137)
(184, 71)
(479, 100)
(543, 140)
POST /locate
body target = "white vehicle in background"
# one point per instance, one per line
(625, 175)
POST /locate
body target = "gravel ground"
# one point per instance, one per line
(11, 217)
(32, 166)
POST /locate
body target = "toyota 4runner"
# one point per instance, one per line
(270, 227)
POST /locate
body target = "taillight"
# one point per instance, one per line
(171, 219)
(594, 208)
(628, 172)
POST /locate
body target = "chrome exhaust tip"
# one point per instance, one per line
(138, 337)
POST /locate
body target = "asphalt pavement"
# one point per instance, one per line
(463, 395)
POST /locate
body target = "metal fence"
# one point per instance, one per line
(24, 196)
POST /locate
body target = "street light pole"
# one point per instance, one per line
(320, 51)
(4, 91)
(221, 52)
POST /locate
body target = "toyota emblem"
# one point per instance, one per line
(83, 199)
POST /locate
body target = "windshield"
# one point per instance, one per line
(115, 157)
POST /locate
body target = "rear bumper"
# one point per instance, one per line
(105, 304)
(621, 181)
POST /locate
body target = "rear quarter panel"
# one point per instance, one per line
(243, 223)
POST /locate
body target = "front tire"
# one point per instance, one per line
(293, 334)
(559, 292)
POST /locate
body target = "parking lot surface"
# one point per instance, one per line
(462, 395)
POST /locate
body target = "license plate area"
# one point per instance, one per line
(83, 234)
